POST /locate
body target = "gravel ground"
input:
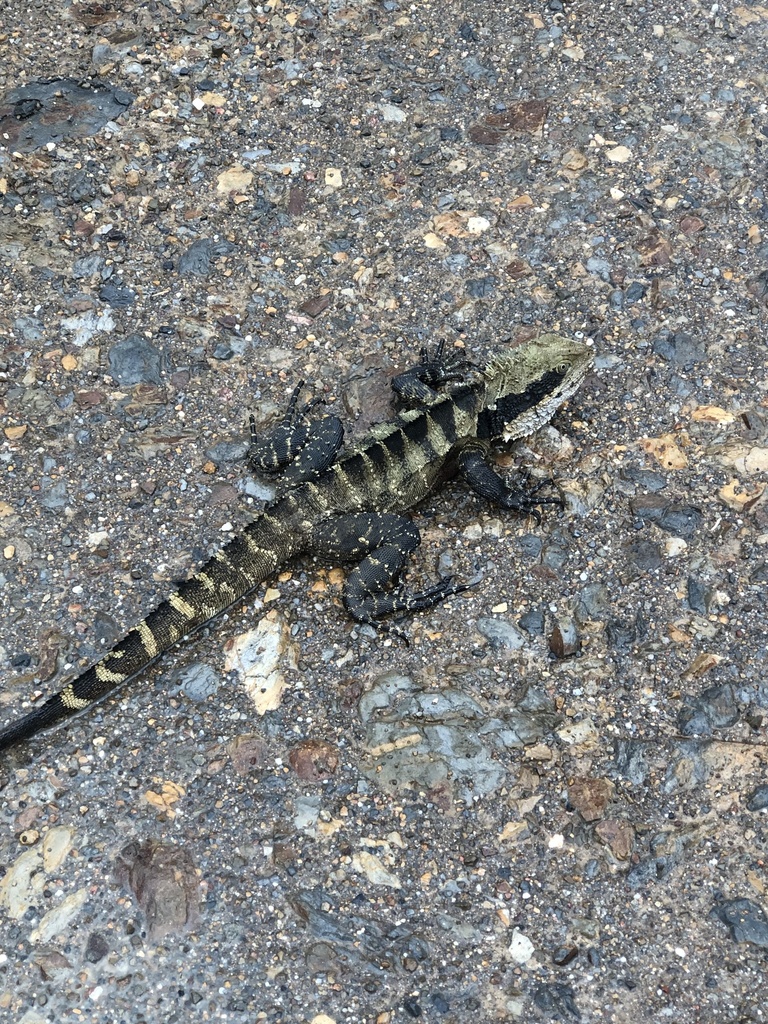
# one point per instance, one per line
(551, 806)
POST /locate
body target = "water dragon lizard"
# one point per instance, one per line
(349, 505)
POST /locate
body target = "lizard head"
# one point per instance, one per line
(526, 385)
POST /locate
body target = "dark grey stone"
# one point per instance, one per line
(134, 360)
(714, 708)
(593, 602)
(680, 348)
(758, 798)
(59, 108)
(501, 633)
(533, 622)
(87, 266)
(482, 287)
(53, 493)
(117, 296)
(746, 920)
(196, 260)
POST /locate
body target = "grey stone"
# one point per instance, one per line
(745, 919)
(134, 360)
(501, 633)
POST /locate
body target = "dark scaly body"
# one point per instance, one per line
(352, 508)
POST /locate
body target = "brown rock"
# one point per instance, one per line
(163, 879)
(618, 836)
(564, 639)
(315, 306)
(297, 200)
(88, 399)
(526, 116)
(517, 270)
(590, 797)
(248, 751)
(314, 760)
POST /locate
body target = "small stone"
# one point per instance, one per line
(198, 681)
(619, 154)
(501, 633)
(521, 949)
(680, 348)
(54, 493)
(533, 622)
(590, 797)
(223, 351)
(581, 735)
(164, 881)
(594, 602)
(117, 296)
(60, 918)
(248, 752)
(198, 258)
(564, 640)
(618, 836)
(371, 866)
(234, 179)
(482, 287)
(477, 225)
(564, 955)
(758, 798)
(96, 948)
(314, 760)
(135, 360)
(393, 113)
(315, 306)
(557, 1000)
(746, 920)
(645, 554)
(635, 292)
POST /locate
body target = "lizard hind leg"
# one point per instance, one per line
(383, 543)
(298, 448)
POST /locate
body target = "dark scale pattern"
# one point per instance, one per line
(511, 407)
(351, 509)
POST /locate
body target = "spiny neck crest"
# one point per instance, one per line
(548, 355)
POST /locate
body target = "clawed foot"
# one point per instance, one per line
(310, 446)
(417, 385)
(293, 413)
(406, 604)
(434, 595)
(441, 368)
(392, 629)
(526, 502)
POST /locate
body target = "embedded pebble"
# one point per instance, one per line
(501, 633)
(135, 360)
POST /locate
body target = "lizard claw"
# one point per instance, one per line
(526, 501)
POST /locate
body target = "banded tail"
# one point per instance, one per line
(228, 576)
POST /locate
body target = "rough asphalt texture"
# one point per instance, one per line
(552, 805)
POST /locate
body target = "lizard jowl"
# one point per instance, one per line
(349, 505)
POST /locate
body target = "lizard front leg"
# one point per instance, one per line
(418, 385)
(485, 481)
